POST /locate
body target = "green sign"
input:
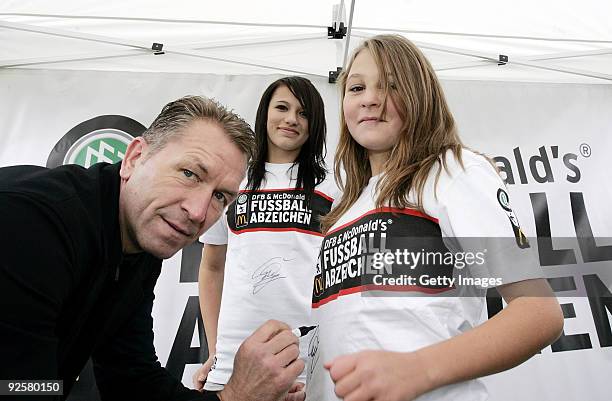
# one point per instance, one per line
(105, 145)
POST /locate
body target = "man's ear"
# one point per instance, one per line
(134, 154)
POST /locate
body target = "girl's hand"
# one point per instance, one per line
(378, 376)
(296, 392)
(199, 377)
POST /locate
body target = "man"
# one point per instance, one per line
(82, 251)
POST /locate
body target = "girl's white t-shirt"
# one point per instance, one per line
(356, 309)
(273, 239)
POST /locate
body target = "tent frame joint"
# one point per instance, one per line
(333, 75)
(502, 60)
(157, 48)
(336, 31)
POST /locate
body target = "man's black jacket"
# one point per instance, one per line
(66, 290)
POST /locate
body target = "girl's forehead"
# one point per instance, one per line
(364, 65)
(282, 93)
(364, 58)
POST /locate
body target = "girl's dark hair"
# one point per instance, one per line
(311, 159)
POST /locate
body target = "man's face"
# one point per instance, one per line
(169, 197)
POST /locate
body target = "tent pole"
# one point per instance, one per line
(348, 34)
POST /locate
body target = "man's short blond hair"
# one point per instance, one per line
(177, 115)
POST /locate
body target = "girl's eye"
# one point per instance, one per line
(356, 88)
(304, 114)
(281, 107)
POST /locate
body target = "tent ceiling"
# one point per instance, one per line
(545, 40)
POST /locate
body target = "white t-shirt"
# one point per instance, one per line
(273, 239)
(356, 309)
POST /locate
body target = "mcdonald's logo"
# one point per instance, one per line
(318, 286)
(241, 220)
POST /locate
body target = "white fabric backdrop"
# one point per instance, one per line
(39, 107)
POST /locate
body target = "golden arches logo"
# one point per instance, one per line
(241, 220)
(318, 285)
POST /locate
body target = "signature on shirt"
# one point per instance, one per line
(267, 272)
(313, 351)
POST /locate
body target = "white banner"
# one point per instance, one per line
(551, 141)
(555, 141)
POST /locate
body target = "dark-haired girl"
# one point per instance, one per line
(257, 262)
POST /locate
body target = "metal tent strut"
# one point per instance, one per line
(254, 24)
(348, 34)
(73, 57)
(543, 57)
(168, 20)
(526, 62)
(142, 47)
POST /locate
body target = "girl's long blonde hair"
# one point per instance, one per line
(427, 132)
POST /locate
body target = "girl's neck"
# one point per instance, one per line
(278, 156)
(377, 161)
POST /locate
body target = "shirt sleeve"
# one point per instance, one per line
(217, 234)
(476, 215)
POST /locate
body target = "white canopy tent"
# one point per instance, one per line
(63, 62)
(544, 40)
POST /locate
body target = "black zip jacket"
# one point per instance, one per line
(67, 293)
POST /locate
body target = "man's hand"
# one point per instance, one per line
(266, 365)
(378, 375)
(199, 377)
